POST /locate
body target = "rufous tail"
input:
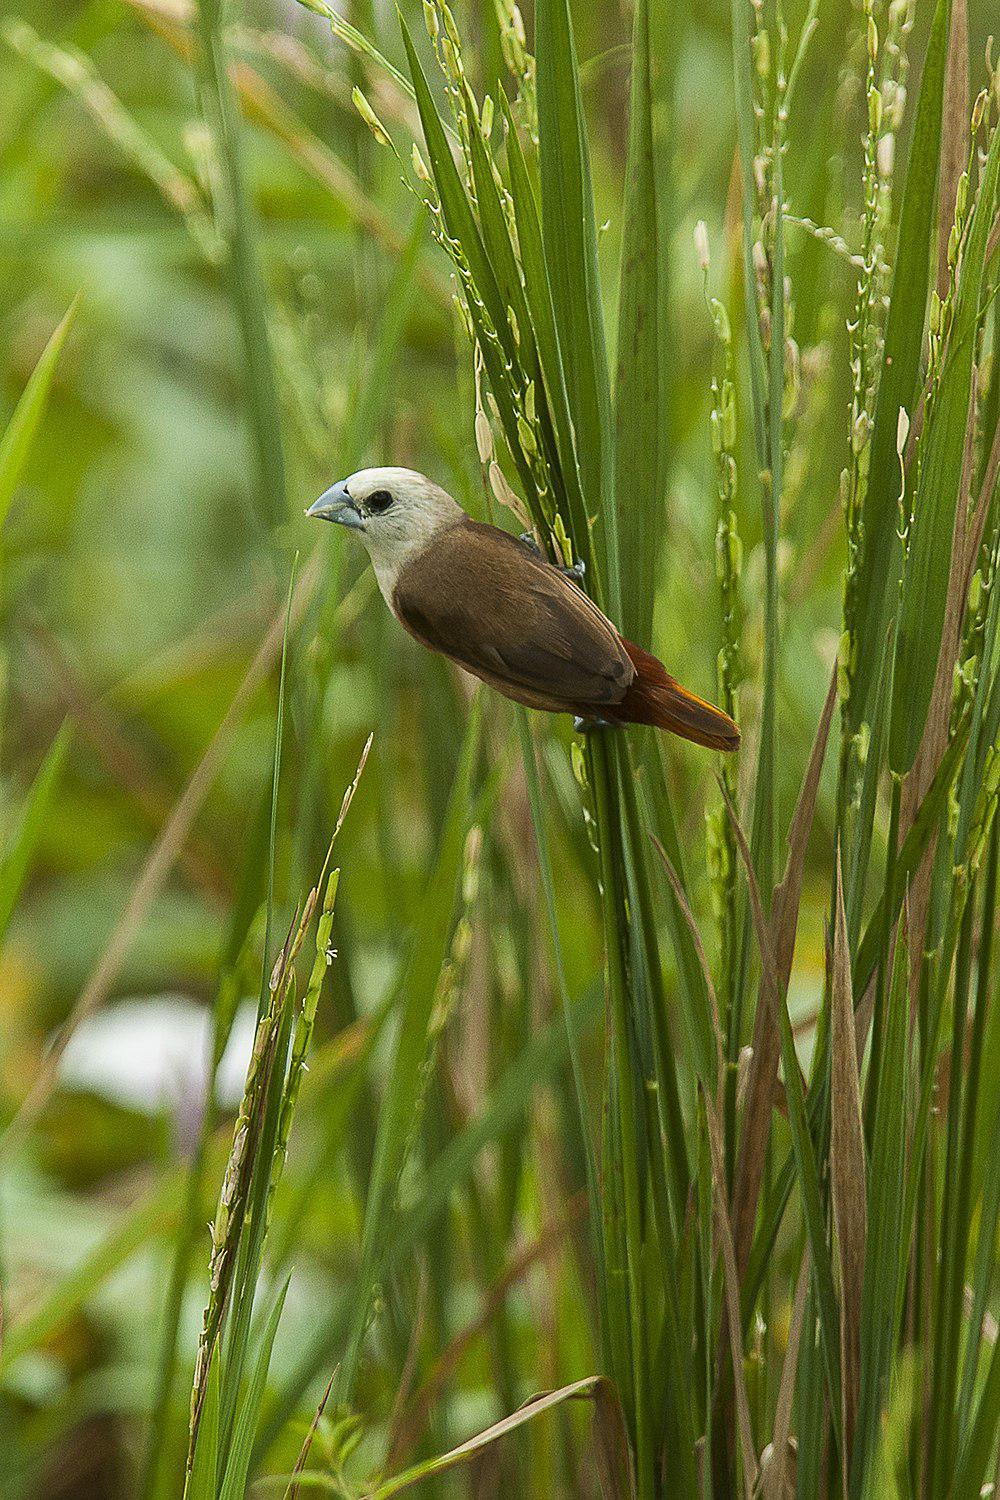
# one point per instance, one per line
(654, 697)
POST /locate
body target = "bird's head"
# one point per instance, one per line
(395, 512)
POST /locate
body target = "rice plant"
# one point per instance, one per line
(647, 1146)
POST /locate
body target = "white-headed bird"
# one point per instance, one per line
(488, 601)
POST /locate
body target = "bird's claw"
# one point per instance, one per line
(586, 724)
(577, 572)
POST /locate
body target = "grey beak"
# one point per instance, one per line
(336, 505)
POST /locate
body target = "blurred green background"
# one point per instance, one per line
(145, 560)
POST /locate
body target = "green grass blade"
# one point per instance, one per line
(234, 1481)
(925, 583)
(746, 136)
(254, 1227)
(203, 1479)
(981, 1277)
(974, 1458)
(458, 215)
(862, 970)
(898, 383)
(496, 339)
(639, 423)
(538, 293)
(910, 854)
(887, 1241)
(19, 434)
(246, 282)
(548, 889)
(569, 235)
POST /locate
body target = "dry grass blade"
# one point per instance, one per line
(778, 1483)
(612, 1447)
(848, 1176)
(349, 798)
(300, 1463)
(763, 1069)
(159, 863)
(954, 132)
(611, 1444)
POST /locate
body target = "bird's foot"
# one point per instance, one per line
(577, 572)
(587, 723)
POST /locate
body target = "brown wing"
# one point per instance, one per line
(482, 598)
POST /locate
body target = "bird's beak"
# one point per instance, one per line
(335, 504)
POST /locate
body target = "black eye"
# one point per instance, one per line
(379, 501)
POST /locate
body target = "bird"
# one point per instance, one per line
(490, 602)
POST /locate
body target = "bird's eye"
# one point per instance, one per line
(379, 501)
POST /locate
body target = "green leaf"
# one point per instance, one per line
(238, 223)
(910, 854)
(248, 1411)
(928, 562)
(977, 1451)
(879, 565)
(460, 222)
(538, 292)
(202, 1481)
(639, 405)
(15, 445)
(887, 1243)
(569, 236)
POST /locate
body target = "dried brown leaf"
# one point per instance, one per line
(778, 1482)
(609, 1431)
(300, 1463)
(848, 1174)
